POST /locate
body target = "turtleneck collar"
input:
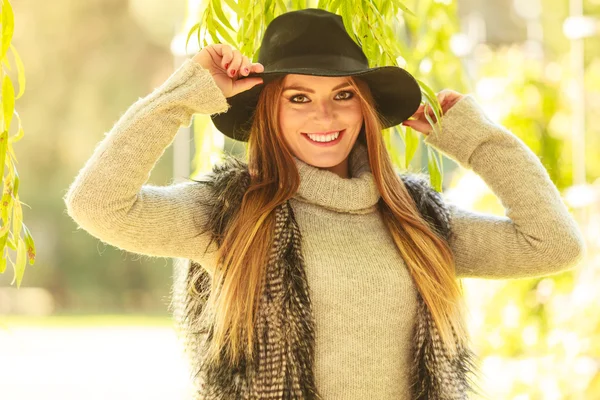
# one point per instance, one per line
(357, 194)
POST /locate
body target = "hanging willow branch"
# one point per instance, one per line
(387, 31)
(13, 232)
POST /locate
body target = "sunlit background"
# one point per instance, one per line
(91, 321)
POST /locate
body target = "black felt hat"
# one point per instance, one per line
(315, 42)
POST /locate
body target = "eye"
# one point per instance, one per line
(296, 96)
(350, 95)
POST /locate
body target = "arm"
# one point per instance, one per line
(109, 198)
(537, 236)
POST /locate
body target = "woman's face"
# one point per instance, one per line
(320, 105)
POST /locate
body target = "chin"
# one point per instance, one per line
(325, 162)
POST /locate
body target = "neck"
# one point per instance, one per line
(340, 170)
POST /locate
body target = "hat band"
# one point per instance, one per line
(326, 62)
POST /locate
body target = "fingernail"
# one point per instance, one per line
(226, 65)
(232, 72)
(246, 70)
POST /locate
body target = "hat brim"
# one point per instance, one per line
(396, 93)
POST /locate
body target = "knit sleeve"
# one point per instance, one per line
(109, 198)
(537, 236)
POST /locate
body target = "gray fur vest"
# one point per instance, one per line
(287, 308)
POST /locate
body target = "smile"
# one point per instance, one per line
(329, 139)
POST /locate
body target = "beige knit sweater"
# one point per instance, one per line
(363, 296)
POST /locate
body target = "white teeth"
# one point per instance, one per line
(325, 138)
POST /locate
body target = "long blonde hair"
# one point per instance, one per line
(237, 279)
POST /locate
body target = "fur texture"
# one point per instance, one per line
(285, 332)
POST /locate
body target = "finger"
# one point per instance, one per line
(227, 52)
(420, 126)
(234, 66)
(418, 113)
(245, 66)
(429, 110)
(442, 96)
(257, 67)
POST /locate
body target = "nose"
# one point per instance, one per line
(324, 111)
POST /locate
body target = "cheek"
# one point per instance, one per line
(291, 120)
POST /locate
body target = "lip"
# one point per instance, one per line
(327, 144)
(323, 133)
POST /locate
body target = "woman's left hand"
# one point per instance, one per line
(447, 99)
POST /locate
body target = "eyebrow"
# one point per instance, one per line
(305, 89)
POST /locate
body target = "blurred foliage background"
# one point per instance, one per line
(85, 304)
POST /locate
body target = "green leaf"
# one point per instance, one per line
(20, 262)
(401, 6)
(8, 101)
(434, 125)
(268, 6)
(212, 30)
(435, 170)
(234, 6)
(347, 18)
(335, 5)
(216, 4)
(190, 33)
(225, 35)
(432, 97)
(282, 6)
(411, 144)
(385, 7)
(256, 54)
(29, 242)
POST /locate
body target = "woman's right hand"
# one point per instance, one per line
(227, 66)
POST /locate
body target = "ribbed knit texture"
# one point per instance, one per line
(363, 296)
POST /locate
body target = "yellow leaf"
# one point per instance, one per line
(2, 265)
(17, 220)
(8, 101)
(4, 230)
(3, 147)
(20, 132)
(3, 240)
(20, 72)
(15, 191)
(7, 64)
(8, 27)
(10, 243)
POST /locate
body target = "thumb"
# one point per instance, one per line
(241, 85)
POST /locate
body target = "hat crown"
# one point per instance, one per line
(315, 42)
(310, 38)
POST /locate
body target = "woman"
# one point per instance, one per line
(316, 270)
